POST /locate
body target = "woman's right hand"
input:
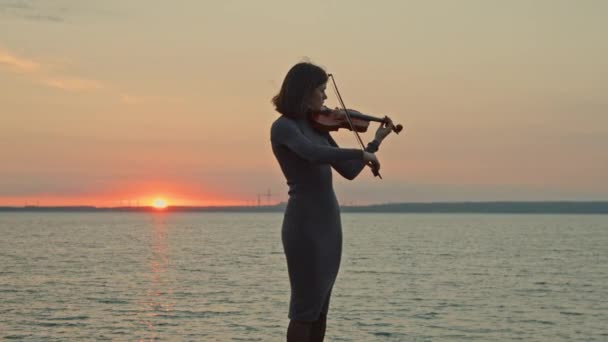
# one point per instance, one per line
(369, 157)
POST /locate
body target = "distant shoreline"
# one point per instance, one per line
(499, 207)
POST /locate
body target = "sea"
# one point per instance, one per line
(168, 276)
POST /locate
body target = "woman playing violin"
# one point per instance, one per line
(311, 231)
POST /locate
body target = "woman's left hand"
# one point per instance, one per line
(385, 129)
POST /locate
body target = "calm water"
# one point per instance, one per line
(223, 277)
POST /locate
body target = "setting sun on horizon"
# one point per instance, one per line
(160, 203)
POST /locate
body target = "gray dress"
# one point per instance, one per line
(311, 231)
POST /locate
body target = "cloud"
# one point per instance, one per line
(14, 6)
(41, 17)
(132, 99)
(32, 10)
(52, 11)
(16, 63)
(72, 84)
(43, 75)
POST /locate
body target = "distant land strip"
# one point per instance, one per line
(548, 207)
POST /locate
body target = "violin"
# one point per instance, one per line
(332, 120)
(327, 120)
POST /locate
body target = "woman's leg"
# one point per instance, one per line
(299, 331)
(318, 328)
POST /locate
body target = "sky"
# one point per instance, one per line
(119, 102)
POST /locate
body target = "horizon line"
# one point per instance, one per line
(284, 203)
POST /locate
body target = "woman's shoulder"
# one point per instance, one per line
(283, 122)
(283, 127)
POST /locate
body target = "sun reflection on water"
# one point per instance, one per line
(157, 303)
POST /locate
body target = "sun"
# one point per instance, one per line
(159, 203)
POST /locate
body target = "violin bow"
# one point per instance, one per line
(350, 123)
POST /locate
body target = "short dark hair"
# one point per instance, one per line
(297, 87)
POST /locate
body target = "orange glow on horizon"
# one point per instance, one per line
(135, 194)
(105, 202)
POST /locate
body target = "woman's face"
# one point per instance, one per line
(317, 98)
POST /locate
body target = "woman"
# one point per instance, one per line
(311, 230)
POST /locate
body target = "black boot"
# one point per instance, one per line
(299, 331)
